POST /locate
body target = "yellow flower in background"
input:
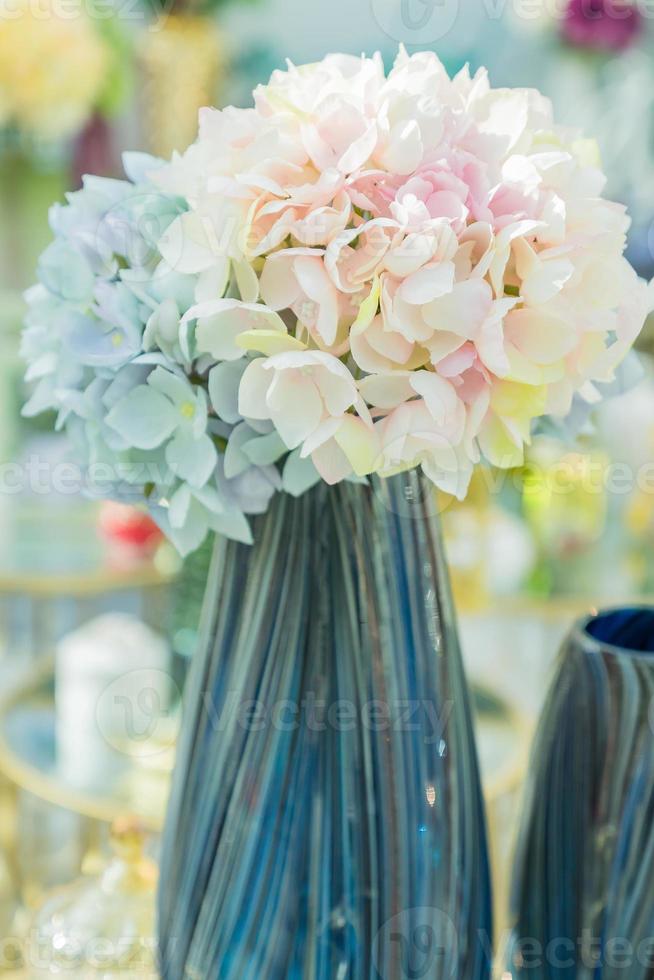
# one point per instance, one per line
(53, 66)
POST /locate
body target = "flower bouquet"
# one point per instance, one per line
(330, 305)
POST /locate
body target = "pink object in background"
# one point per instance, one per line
(94, 152)
(130, 528)
(602, 25)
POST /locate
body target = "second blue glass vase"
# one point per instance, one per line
(583, 898)
(326, 821)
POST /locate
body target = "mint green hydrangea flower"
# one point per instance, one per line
(110, 349)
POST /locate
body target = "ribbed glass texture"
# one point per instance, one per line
(326, 820)
(583, 895)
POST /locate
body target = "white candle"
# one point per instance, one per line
(113, 692)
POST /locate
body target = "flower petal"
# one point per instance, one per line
(222, 320)
(295, 406)
(360, 444)
(462, 310)
(177, 389)
(264, 450)
(253, 390)
(235, 460)
(185, 245)
(247, 281)
(144, 418)
(299, 474)
(191, 459)
(268, 341)
(387, 390)
(445, 406)
(224, 380)
(540, 337)
(331, 462)
(317, 286)
(430, 282)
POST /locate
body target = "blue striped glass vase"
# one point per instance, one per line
(326, 820)
(583, 895)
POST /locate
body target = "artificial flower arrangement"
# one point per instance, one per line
(359, 275)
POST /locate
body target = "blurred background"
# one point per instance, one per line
(98, 616)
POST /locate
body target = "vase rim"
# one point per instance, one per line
(585, 637)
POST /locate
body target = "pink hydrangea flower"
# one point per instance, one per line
(439, 260)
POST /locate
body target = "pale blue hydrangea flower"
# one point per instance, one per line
(110, 351)
(167, 411)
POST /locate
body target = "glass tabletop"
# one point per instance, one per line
(50, 546)
(126, 782)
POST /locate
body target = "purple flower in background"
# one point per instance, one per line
(602, 25)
